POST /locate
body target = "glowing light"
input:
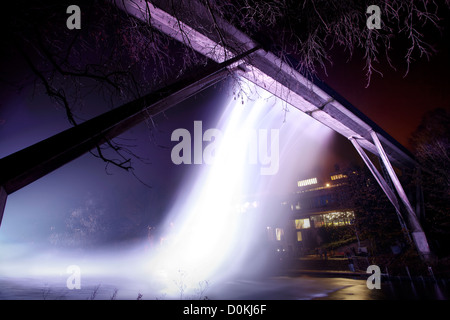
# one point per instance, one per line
(338, 176)
(206, 230)
(307, 182)
(279, 233)
(211, 235)
(302, 224)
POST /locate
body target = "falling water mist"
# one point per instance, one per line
(217, 226)
(259, 148)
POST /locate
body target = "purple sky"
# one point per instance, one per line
(396, 102)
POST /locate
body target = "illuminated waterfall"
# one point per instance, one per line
(216, 221)
(207, 239)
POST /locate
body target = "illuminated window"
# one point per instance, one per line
(338, 176)
(299, 236)
(307, 182)
(279, 233)
(317, 220)
(340, 218)
(302, 224)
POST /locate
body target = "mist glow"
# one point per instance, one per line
(210, 236)
(218, 221)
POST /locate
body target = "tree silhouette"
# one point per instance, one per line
(119, 57)
(375, 217)
(431, 145)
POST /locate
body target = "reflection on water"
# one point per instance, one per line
(277, 288)
(417, 290)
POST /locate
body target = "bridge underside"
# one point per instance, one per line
(192, 24)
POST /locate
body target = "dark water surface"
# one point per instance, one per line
(277, 288)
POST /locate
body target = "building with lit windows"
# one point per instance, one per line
(292, 223)
(317, 202)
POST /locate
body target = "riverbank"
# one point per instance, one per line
(356, 268)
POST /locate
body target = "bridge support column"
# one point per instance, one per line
(418, 235)
(417, 232)
(383, 184)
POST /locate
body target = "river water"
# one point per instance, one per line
(273, 288)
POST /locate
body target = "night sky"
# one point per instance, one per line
(39, 213)
(396, 101)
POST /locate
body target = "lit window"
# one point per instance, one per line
(302, 224)
(299, 236)
(338, 176)
(334, 218)
(279, 233)
(307, 182)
